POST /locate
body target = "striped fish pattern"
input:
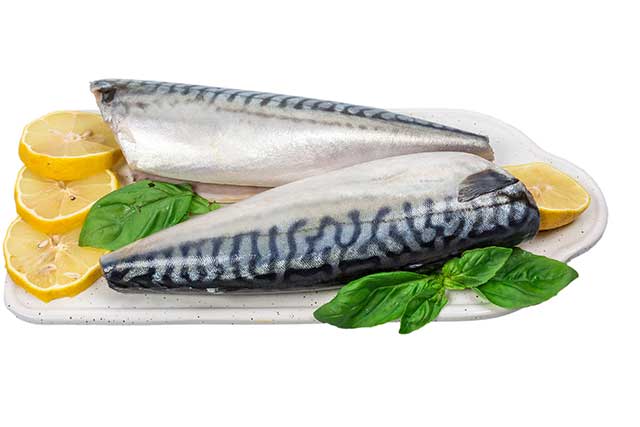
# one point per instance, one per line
(206, 94)
(230, 136)
(384, 215)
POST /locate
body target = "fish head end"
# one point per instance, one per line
(105, 92)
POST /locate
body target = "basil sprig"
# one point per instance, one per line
(510, 278)
(373, 300)
(423, 308)
(474, 267)
(527, 279)
(138, 210)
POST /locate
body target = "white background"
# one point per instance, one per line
(565, 73)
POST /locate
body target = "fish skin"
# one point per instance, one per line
(228, 136)
(326, 230)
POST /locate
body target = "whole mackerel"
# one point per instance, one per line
(229, 136)
(323, 231)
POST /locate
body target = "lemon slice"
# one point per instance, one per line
(53, 206)
(49, 266)
(68, 145)
(558, 196)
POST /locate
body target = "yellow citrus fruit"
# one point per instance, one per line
(49, 266)
(53, 206)
(558, 196)
(68, 145)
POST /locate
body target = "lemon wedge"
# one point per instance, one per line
(68, 145)
(49, 266)
(52, 206)
(559, 197)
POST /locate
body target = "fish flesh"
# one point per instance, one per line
(219, 193)
(229, 136)
(323, 231)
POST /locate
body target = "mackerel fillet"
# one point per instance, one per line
(229, 136)
(323, 231)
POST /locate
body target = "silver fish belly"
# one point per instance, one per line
(325, 230)
(228, 136)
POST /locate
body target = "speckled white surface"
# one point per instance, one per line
(100, 304)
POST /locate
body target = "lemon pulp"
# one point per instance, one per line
(560, 198)
(49, 266)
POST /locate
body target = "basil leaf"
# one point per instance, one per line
(133, 212)
(474, 267)
(527, 279)
(372, 300)
(200, 205)
(422, 309)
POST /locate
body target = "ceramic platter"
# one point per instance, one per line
(100, 304)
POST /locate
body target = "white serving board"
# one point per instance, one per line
(100, 304)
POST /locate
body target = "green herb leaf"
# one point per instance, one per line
(527, 279)
(511, 278)
(474, 267)
(422, 309)
(133, 212)
(372, 300)
(200, 205)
